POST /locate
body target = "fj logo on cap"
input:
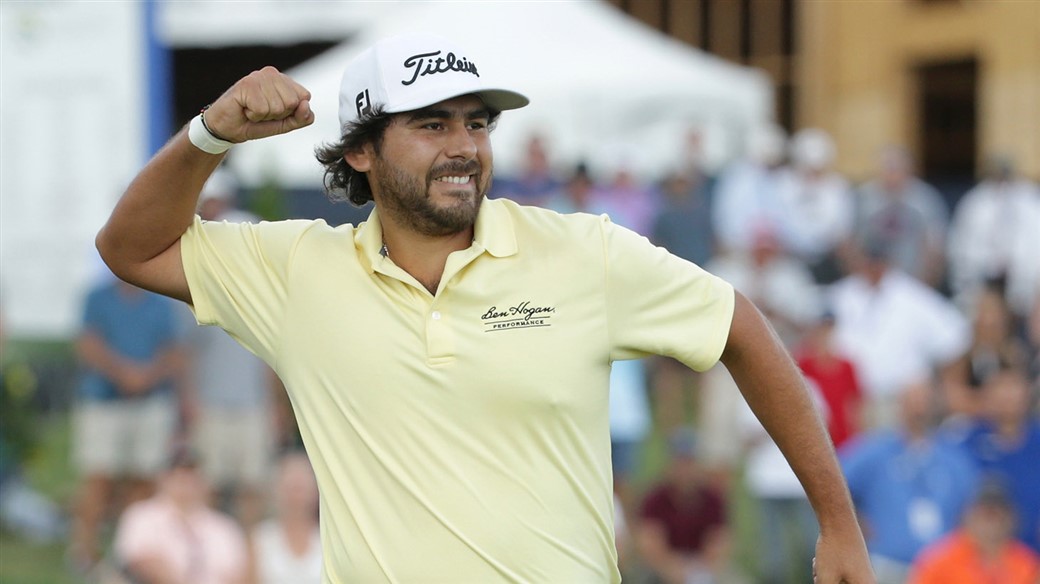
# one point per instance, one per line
(424, 64)
(363, 103)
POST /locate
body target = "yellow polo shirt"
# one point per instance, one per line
(462, 436)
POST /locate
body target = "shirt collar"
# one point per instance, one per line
(493, 233)
(494, 229)
(368, 239)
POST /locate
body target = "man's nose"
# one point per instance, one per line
(460, 142)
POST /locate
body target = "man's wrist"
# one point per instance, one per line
(205, 124)
(204, 139)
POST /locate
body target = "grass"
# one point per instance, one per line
(22, 562)
(26, 563)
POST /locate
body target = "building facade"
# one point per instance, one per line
(956, 81)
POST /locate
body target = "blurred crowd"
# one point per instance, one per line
(191, 469)
(916, 322)
(915, 317)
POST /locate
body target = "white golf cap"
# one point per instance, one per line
(405, 73)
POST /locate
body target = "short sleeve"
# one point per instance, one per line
(238, 277)
(661, 304)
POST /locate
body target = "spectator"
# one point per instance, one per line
(682, 532)
(993, 342)
(627, 202)
(819, 207)
(287, 548)
(234, 393)
(575, 194)
(683, 223)
(994, 234)
(908, 213)
(536, 183)
(746, 199)
(787, 530)
(982, 550)
(174, 538)
(894, 329)
(781, 286)
(126, 415)
(1005, 442)
(836, 379)
(909, 487)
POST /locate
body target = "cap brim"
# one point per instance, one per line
(503, 99)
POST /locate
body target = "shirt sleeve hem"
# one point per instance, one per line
(200, 305)
(723, 325)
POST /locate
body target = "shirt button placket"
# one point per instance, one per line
(439, 345)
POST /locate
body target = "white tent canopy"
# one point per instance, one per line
(217, 23)
(603, 87)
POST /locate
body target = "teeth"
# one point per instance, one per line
(458, 180)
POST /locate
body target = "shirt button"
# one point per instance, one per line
(436, 315)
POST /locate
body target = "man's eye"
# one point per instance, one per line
(477, 125)
(433, 126)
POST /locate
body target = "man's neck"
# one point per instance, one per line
(1010, 431)
(422, 256)
(988, 548)
(917, 436)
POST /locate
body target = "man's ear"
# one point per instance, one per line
(360, 159)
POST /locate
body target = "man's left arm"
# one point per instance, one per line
(777, 394)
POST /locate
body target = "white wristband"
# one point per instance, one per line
(203, 140)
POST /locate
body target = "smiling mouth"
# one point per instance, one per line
(454, 180)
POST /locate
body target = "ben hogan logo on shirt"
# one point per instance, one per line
(523, 315)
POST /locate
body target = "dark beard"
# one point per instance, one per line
(407, 200)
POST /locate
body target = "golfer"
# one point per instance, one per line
(448, 358)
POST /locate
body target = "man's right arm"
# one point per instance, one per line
(141, 240)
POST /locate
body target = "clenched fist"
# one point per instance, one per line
(264, 103)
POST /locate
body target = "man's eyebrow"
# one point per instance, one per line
(430, 113)
(478, 113)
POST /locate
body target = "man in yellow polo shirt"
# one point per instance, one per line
(448, 359)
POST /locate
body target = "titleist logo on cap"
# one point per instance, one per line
(410, 72)
(424, 64)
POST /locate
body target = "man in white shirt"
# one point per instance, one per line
(995, 232)
(819, 207)
(894, 329)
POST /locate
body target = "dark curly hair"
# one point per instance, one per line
(343, 183)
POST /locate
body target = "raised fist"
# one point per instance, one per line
(264, 103)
